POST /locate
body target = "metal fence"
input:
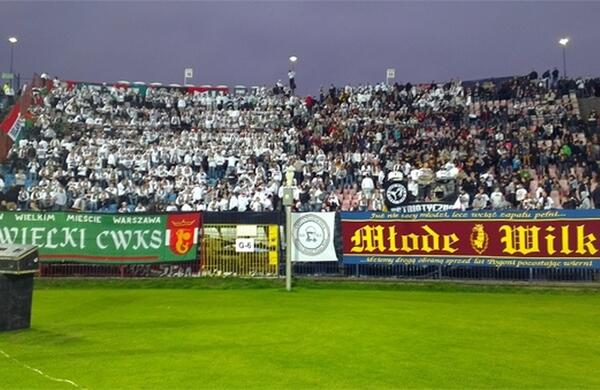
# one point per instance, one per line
(217, 256)
(178, 269)
(401, 271)
(260, 266)
(220, 255)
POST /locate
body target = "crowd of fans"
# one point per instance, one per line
(519, 144)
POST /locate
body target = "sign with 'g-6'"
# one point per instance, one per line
(244, 244)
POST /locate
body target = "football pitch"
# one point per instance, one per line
(181, 334)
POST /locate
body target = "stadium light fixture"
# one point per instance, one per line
(13, 41)
(563, 42)
(293, 59)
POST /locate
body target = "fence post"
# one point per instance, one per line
(530, 274)
(356, 271)
(439, 271)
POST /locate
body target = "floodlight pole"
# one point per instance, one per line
(564, 42)
(564, 61)
(12, 59)
(293, 61)
(13, 41)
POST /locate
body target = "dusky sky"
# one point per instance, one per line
(249, 42)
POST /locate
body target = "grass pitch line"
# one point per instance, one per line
(39, 371)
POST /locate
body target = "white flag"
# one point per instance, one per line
(312, 237)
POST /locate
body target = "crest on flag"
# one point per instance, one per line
(183, 230)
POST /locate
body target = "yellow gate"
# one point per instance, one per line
(221, 256)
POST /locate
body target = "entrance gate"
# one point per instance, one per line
(240, 250)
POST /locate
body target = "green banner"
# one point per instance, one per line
(104, 238)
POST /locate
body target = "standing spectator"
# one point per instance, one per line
(555, 75)
(367, 186)
(546, 79)
(292, 80)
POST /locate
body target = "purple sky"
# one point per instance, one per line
(337, 42)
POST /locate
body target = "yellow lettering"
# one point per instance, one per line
(564, 240)
(375, 238)
(585, 242)
(392, 239)
(431, 242)
(413, 245)
(550, 240)
(520, 239)
(368, 239)
(449, 241)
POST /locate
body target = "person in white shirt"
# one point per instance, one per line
(233, 203)
(464, 200)
(60, 198)
(497, 199)
(292, 80)
(367, 186)
(480, 201)
(140, 208)
(171, 208)
(243, 202)
(549, 203)
(520, 194)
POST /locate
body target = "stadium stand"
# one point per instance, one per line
(520, 143)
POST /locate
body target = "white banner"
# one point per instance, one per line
(312, 237)
(16, 128)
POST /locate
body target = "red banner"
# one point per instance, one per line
(555, 239)
(10, 120)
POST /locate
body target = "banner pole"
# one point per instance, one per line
(288, 201)
(288, 252)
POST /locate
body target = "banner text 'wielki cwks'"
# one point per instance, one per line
(97, 237)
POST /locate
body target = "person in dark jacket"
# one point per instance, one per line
(533, 75)
(546, 78)
(596, 197)
(555, 74)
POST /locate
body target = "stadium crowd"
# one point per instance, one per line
(519, 144)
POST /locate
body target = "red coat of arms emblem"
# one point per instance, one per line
(183, 232)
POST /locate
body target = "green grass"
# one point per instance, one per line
(238, 333)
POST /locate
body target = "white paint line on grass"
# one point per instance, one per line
(39, 371)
